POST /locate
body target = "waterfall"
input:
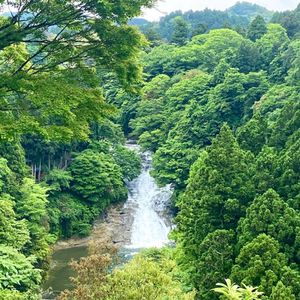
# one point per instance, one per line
(148, 202)
(145, 218)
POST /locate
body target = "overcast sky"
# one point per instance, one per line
(167, 6)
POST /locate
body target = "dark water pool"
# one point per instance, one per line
(59, 275)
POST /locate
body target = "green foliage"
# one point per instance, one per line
(216, 45)
(32, 207)
(97, 178)
(238, 16)
(72, 72)
(271, 104)
(280, 291)
(53, 119)
(290, 20)
(290, 278)
(286, 62)
(289, 179)
(199, 29)
(214, 259)
(129, 162)
(269, 44)
(254, 130)
(238, 194)
(232, 101)
(44, 54)
(251, 10)
(69, 215)
(257, 28)
(204, 51)
(151, 140)
(180, 31)
(171, 162)
(107, 130)
(218, 192)
(59, 180)
(219, 189)
(152, 35)
(77, 199)
(6, 294)
(146, 279)
(13, 232)
(23, 234)
(146, 276)
(192, 86)
(156, 88)
(6, 178)
(17, 271)
(287, 120)
(247, 58)
(266, 172)
(155, 62)
(260, 263)
(232, 291)
(50, 100)
(15, 156)
(160, 110)
(149, 115)
(271, 215)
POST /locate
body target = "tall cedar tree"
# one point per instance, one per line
(271, 215)
(257, 28)
(219, 188)
(215, 258)
(180, 31)
(260, 263)
(218, 192)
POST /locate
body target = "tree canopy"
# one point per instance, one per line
(214, 95)
(40, 52)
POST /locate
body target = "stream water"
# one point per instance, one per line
(148, 203)
(150, 226)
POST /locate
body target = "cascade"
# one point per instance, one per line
(148, 203)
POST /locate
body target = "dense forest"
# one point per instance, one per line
(194, 23)
(214, 95)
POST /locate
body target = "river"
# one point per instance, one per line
(144, 217)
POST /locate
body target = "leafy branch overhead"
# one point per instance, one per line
(40, 53)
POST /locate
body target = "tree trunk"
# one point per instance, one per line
(40, 171)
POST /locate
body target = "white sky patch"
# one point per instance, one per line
(164, 7)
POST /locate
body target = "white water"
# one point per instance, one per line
(148, 202)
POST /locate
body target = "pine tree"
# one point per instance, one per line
(257, 28)
(269, 214)
(199, 29)
(180, 31)
(280, 291)
(214, 261)
(247, 59)
(259, 263)
(219, 189)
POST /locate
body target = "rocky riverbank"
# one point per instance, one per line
(115, 225)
